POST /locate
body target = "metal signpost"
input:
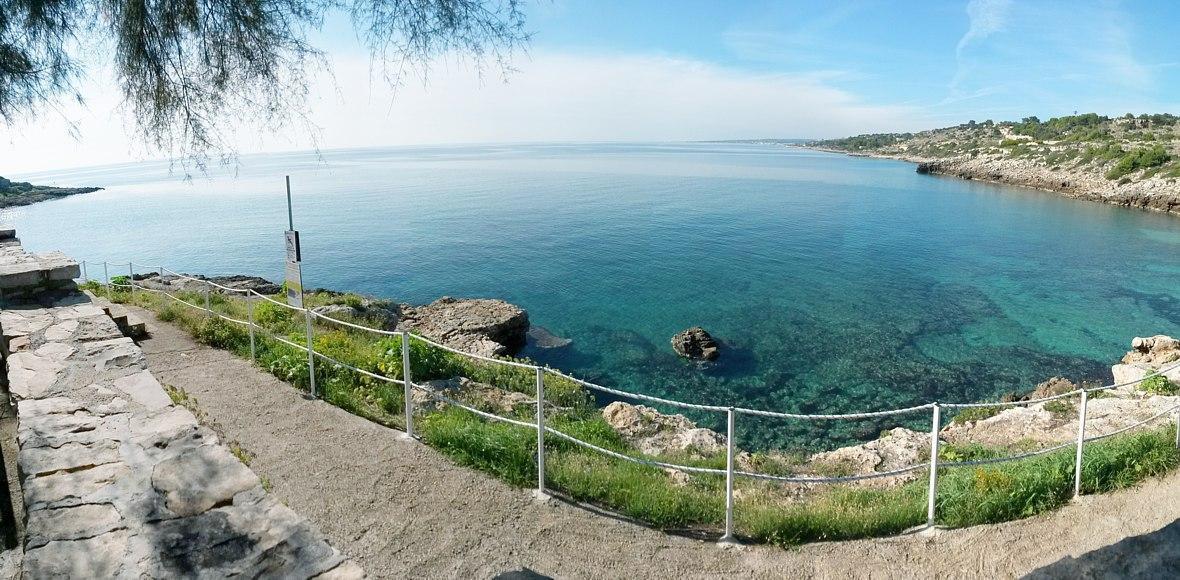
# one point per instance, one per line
(294, 283)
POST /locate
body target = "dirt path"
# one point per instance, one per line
(401, 509)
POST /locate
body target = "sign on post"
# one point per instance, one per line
(294, 275)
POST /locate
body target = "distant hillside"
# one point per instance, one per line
(1129, 160)
(23, 193)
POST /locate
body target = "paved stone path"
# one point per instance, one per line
(119, 482)
(402, 509)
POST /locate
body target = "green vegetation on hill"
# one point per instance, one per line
(765, 511)
(24, 193)
(1128, 149)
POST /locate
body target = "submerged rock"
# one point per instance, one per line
(695, 343)
(540, 337)
(655, 433)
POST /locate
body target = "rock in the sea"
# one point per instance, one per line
(477, 325)
(695, 343)
(540, 337)
(655, 433)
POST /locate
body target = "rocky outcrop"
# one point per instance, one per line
(655, 433)
(481, 326)
(381, 313)
(895, 449)
(187, 284)
(1147, 355)
(695, 343)
(481, 395)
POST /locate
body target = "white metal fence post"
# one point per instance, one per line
(250, 319)
(208, 288)
(106, 279)
(407, 378)
(540, 432)
(1077, 466)
(1178, 428)
(85, 278)
(131, 278)
(310, 351)
(729, 452)
(931, 493)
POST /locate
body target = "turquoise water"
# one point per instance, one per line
(835, 283)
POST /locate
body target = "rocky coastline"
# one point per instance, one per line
(17, 193)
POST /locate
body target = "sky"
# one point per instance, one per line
(635, 70)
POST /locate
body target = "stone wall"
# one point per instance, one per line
(118, 481)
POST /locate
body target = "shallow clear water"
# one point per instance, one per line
(835, 283)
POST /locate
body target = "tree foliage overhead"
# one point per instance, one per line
(191, 70)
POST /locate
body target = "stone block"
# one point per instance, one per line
(97, 557)
(200, 479)
(144, 389)
(70, 523)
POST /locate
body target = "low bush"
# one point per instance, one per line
(1157, 384)
(976, 414)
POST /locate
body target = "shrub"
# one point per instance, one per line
(1139, 159)
(1157, 384)
(270, 314)
(976, 414)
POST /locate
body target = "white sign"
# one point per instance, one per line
(294, 280)
(293, 254)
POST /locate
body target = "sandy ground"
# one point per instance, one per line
(401, 509)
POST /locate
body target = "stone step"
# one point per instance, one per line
(132, 326)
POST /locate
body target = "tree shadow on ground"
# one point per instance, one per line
(1151, 555)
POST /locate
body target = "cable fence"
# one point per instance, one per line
(538, 424)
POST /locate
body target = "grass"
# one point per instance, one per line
(967, 495)
(1157, 384)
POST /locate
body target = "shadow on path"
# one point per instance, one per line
(1151, 555)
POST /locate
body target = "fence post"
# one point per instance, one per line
(1077, 466)
(310, 351)
(407, 379)
(540, 432)
(208, 288)
(1178, 428)
(930, 494)
(729, 538)
(131, 278)
(106, 277)
(85, 278)
(250, 319)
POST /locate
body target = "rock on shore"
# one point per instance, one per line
(655, 433)
(176, 283)
(480, 326)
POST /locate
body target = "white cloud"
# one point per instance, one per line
(986, 17)
(553, 97)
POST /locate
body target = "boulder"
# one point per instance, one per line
(1051, 387)
(655, 433)
(480, 326)
(381, 313)
(482, 396)
(895, 449)
(1154, 350)
(695, 343)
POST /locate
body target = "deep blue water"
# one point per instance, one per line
(835, 283)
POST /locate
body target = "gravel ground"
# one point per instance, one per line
(401, 509)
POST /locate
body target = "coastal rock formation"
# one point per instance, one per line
(655, 433)
(487, 397)
(170, 283)
(477, 325)
(895, 449)
(381, 313)
(1147, 355)
(695, 343)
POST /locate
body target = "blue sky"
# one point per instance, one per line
(607, 70)
(954, 59)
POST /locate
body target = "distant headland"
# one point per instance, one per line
(13, 193)
(1131, 160)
